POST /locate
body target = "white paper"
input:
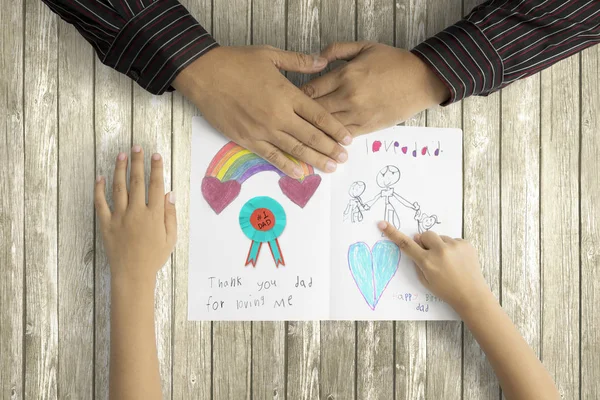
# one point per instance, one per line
(316, 282)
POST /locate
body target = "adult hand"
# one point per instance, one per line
(448, 267)
(241, 92)
(381, 86)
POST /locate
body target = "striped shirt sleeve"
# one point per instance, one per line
(501, 41)
(150, 41)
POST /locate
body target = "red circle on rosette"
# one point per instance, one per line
(262, 219)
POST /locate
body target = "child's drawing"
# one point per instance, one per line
(373, 269)
(425, 222)
(233, 165)
(386, 179)
(355, 205)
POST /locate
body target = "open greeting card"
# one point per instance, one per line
(264, 246)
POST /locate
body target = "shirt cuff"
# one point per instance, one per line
(156, 44)
(464, 59)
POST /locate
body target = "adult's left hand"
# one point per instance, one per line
(379, 87)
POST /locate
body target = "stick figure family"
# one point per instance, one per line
(386, 178)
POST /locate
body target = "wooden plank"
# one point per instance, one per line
(303, 360)
(192, 342)
(560, 224)
(411, 21)
(75, 214)
(303, 32)
(112, 116)
(152, 131)
(12, 158)
(481, 225)
(232, 347)
(268, 338)
(375, 340)
(41, 318)
(520, 207)
(303, 339)
(338, 338)
(410, 356)
(590, 223)
(444, 339)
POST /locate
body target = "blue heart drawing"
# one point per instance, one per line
(372, 270)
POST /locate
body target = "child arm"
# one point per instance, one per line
(449, 268)
(519, 371)
(138, 239)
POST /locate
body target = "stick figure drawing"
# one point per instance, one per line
(386, 178)
(425, 222)
(355, 205)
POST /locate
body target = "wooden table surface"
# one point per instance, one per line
(531, 207)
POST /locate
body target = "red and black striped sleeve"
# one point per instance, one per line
(150, 41)
(501, 41)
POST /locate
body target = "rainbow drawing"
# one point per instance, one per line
(233, 165)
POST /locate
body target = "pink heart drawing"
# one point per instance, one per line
(219, 194)
(300, 192)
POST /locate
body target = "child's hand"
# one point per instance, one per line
(138, 237)
(449, 268)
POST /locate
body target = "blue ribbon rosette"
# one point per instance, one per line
(262, 220)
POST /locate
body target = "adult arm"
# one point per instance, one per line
(239, 90)
(496, 44)
(149, 41)
(500, 42)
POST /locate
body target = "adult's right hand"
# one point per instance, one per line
(241, 92)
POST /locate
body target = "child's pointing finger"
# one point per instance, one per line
(405, 243)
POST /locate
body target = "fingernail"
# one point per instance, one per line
(172, 197)
(382, 225)
(318, 61)
(347, 140)
(330, 166)
(98, 178)
(136, 148)
(297, 172)
(342, 157)
(156, 156)
(121, 156)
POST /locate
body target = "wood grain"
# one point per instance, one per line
(75, 214)
(12, 192)
(268, 338)
(560, 224)
(41, 202)
(303, 32)
(411, 22)
(192, 342)
(481, 223)
(520, 208)
(590, 223)
(410, 356)
(232, 347)
(375, 339)
(303, 339)
(338, 338)
(112, 121)
(152, 131)
(303, 360)
(444, 339)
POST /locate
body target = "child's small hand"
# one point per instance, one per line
(138, 237)
(449, 268)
